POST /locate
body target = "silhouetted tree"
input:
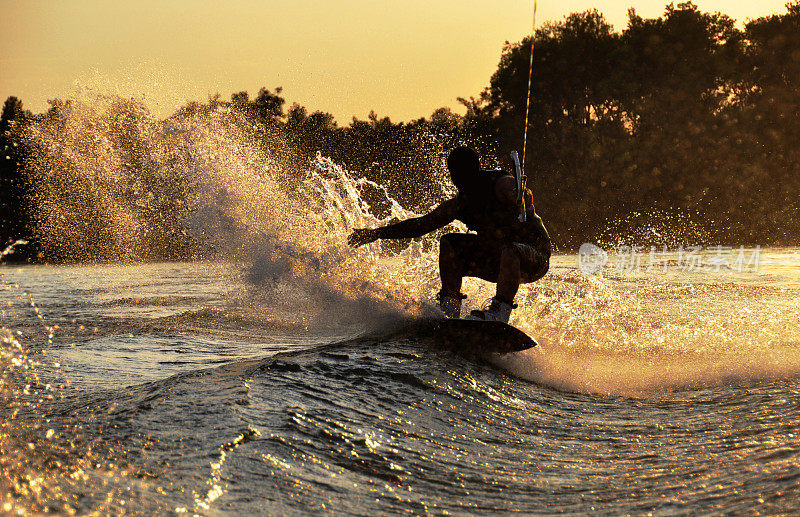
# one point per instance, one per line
(14, 215)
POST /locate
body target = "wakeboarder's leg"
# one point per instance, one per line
(509, 276)
(451, 267)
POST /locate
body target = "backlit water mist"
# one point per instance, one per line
(281, 372)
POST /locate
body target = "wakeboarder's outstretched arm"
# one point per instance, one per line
(440, 216)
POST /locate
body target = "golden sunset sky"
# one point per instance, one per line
(401, 58)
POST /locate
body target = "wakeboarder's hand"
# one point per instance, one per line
(362, 236)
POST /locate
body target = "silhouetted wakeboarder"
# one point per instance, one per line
(506, 248)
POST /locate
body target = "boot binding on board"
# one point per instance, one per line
(499, 310)
(450, 304)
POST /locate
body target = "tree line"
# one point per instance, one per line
(680, 129)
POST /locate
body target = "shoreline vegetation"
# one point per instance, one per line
(681, 129)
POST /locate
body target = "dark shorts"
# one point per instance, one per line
(481, 257)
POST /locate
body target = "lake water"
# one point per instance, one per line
(206, 388)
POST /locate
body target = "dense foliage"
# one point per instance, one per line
(684, 124)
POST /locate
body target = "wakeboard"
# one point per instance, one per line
(474, 337)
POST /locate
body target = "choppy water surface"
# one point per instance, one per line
(192, 387)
